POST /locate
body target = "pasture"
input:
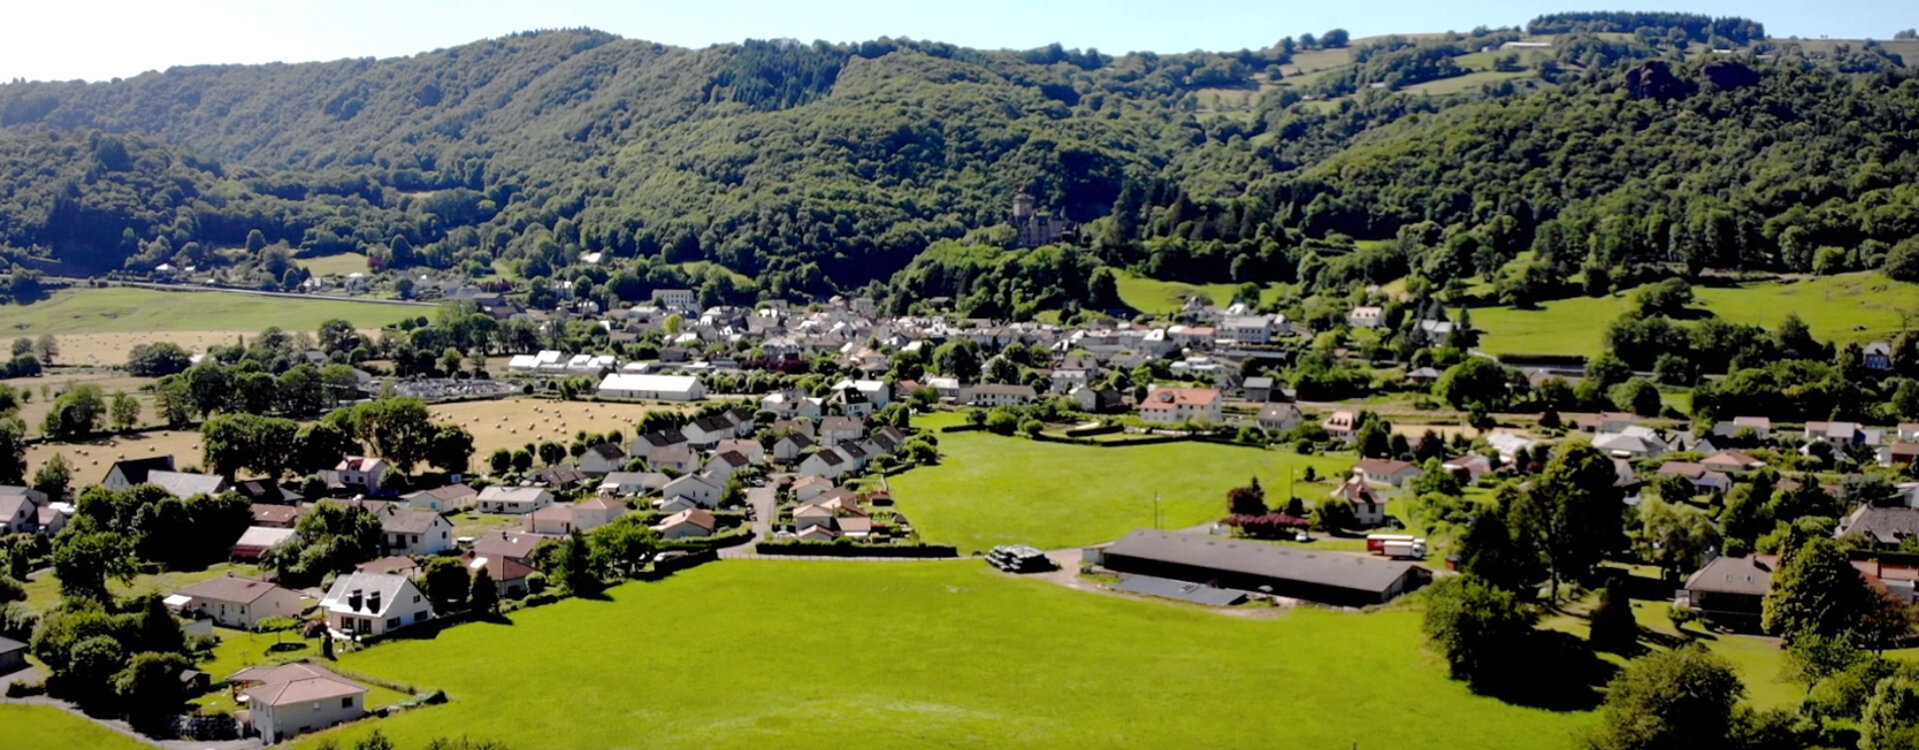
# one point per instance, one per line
(24, 727)
(136, 310)
(988, 489)
(942, 654)
(1150, 295)
(90, 460)
(338, 264)
(1847, 308)
(514, 422)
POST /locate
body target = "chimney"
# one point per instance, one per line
(373, 602)
(353, 600)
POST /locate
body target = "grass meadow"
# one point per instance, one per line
(1164, 297)
(754, 654)
(514, 422)
(24, 727)
(337, 264)
(988, 489)
(1847, 308)
(133, 310)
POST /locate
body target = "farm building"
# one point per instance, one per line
(1325, 577)
(656, 387)
(13, 656)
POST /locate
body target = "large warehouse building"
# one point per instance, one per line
(1325, 577)
(656, 387)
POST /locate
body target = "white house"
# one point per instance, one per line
(373, 604)
(1247, 329)
(235, 602)
(363, 473)
(1277, 418)
(1368, 316)
(1169, 405)
(293, 699)
(514, 499)
(415, 532)
(875, 391)
(452, 497)
(791, 447)
(693, 522)
(655, 387)
(1368, 506)
(631, 483)
(748, 448)
(698, 489)
(836, 430)
(20, 509)
(807, 488)
(706, 432)
(602, 459)
(993, 394)
(828, 464)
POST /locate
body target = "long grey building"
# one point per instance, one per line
(1326, 577)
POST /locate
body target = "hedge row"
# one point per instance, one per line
(832, 549)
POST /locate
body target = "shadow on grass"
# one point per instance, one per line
(1554, 671)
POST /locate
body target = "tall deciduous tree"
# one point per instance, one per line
(1684, 698)
(1817, 592)
(1573, 513)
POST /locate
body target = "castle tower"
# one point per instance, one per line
(1022, 208)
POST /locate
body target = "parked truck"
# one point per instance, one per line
(1413, 549)
(1376, 543)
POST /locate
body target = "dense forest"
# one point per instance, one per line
(816, 168)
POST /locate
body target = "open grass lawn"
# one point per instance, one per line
(1463, 83)
(514, 422)
(1855, 307)
(338, 264)
(990, 490)
(130, 310)
(1162, 297)
(43, 591)
(43, 727)
(946, 654)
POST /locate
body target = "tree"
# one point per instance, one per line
(1249, 500)
(1490, 551)
(231, 442)
(1572, 513)
(157, 359)
(484, 599)
(1334, 514)
(447, 583)
(1816, 591)
(321, 445)
(1684, 698)
(1475, 625)
(1375, 439)
(1334, 39)
(1613, 627)
(46, 348)
(13, 451)
(500, 461)
(401, 430)
(1676, 536)
(1891, 717)
(959, 359)
(55, 478)
(126, 411)
(76, 413)
(84, 561)
(1475, 381)
(552, 453)
(577, 569)
(624, 546)
(1669, 298)
(1902, 263)
(451, 450)
(150, 686)
(1638, 396)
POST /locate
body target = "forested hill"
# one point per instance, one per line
(817, 168)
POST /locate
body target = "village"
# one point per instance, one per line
(804, 468)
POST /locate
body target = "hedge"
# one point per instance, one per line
(832, 549)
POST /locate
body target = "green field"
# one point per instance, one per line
(1467, 82)
(1163, 297)
(123, 309)
(338, 264)
(42, 727)
(756, 654)
(990, 490)
(1856, 307)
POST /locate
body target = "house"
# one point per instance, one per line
(294, 699)
(997, 394)
(1901, 454)
(233, 602)
(1423, 376)
(792, 403)
(363, 473)
(1368, 507)
(603, 459)
(748, 448)
(680, 458)
(676, 299)
(1171, 405)
(828, 464)
(816, 533)
(1074, 370)
(415, 532)
(276, 516)
(632, 483)
(558, 476)
(372, 604)
(1247, 329)
(652, 387)
(1761, 427)
(398, 565)
(1342, 425)
(1731, 461)
(724, 465)
(1635, 442)
(256, 540)
(1909, 431)
(1840, 434)
(1887, 526)
(1260, 389)
(184, 485)
(1278, 418)
(650, 444)
(267, 491)
(706, 432)
(1314, 575)
(447, 499)
(791, 446)
(556, 520)
(1437, 331)
(836, 430)
(1703, 479)
(513, 499)
(124, 474)
(509, 545)
(874, 392)
(695, 488)
(807, 488)
(1097, 400)
(1366, 317)
(1509, 444)
(1730, 589)
(509, 574)
(1389, 472)
(595, 512)
(1877, 356)
(20, 509)
(1468, 468)
(1607, 423)
(53, 518)
(13, 656)
(692, 522)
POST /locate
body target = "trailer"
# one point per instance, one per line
(1376, 543)
(1414, 549)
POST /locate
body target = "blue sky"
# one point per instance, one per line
(98, 39)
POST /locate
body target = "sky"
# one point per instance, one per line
(102, 39)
